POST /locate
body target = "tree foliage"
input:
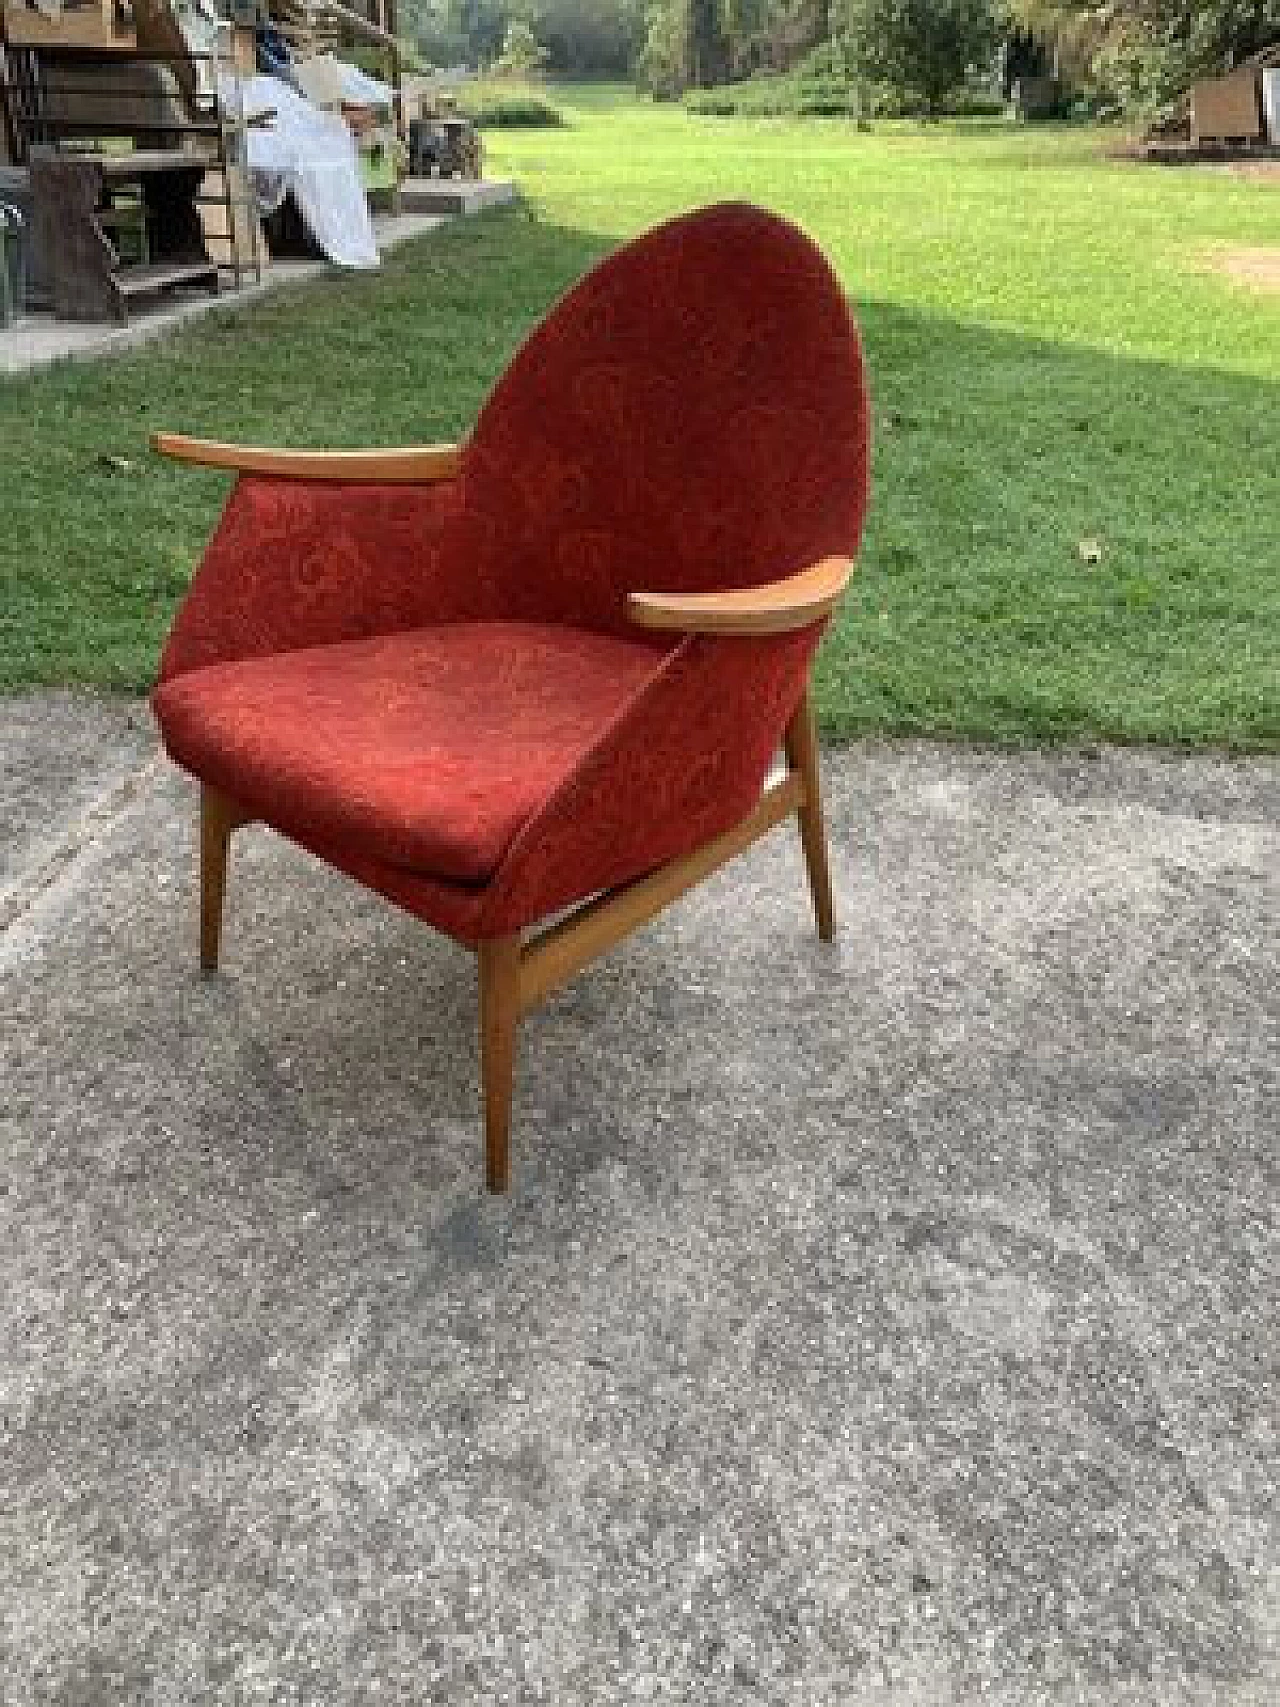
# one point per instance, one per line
(581, 37)
(924, 47)
(1145, 53)
(1208, 35)
(1144, 50)
(522, 53)
(701, 43)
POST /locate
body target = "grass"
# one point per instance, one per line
(1052, 362)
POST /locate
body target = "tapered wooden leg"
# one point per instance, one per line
(499, 1013)
(218, 817)
(801, 743)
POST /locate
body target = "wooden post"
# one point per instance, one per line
(499, 1013)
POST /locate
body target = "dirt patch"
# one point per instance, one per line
(1257, 267)
(1265, 171)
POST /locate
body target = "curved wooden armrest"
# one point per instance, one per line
(410, 463)
(774, 608)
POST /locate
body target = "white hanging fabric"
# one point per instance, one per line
(310, 154)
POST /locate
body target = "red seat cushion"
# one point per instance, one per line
(427, 749)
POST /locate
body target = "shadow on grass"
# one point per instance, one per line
(1001, 462)
(997, 456)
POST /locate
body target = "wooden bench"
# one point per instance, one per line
(87, 278)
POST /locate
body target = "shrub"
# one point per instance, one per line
(1143, 79)
(493, 107)
(768, 95)
(976, 104)
(763, 96)
(829, 59)
(818, 88)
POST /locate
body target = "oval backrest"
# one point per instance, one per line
(692, 415)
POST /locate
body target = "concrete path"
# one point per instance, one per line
(888, 1325)
(35, 340)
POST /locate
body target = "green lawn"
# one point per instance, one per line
(1052, 361)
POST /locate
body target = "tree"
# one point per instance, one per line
(589, 36)
(1145, 53)
(708, 51)
(1211, 35)
(581, 37)
(705, 42)
(522, 53)
(663, 64)
(923, 48)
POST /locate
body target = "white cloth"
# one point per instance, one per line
(363, 90)
(312, 155)
(329, 81)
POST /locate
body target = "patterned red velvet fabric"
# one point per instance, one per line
(428, 748)
(305, 563)
(589, 824)
(691, 416)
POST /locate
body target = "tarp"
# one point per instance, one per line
(311, 155)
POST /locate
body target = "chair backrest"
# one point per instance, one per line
(691, 416)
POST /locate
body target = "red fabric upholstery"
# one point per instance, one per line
(427, 749)
(691, 792)
(691, 416)
(303, 563)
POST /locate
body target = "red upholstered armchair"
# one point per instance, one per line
(548, 668)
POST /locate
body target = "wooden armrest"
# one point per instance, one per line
(773, 608)
(410, 463)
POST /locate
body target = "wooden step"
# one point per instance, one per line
(132, 281)
(446, 196)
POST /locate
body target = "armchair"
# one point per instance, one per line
(547, 669)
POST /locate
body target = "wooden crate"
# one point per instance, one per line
(1227, 109)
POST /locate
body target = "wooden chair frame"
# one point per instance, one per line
(520, 970)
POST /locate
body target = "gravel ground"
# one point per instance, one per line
(887, 1324)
